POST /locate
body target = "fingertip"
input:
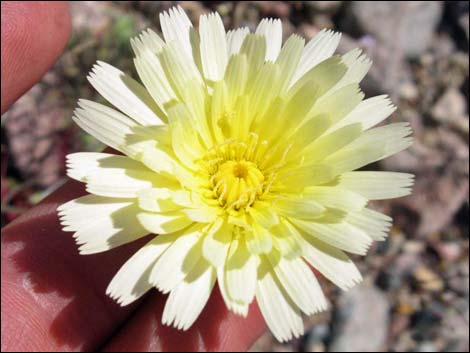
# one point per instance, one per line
(33, 35)
(226, 331)
(217, 329)
(53, 299)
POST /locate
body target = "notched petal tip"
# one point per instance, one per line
(175, 24)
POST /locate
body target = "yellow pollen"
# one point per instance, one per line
(240, 170)
(236, 184)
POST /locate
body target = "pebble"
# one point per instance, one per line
(404, 25)
(426, 346)
(413, 246)
(316, 338)
(361, 320)
(428, 280)
(449, 251)
(409, 91)
(323, 6)
(459, 284)
(451, 105)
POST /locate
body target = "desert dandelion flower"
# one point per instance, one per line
(240, 154)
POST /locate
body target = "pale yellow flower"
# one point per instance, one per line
(239, 152)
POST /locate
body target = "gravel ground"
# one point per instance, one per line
(415, 296)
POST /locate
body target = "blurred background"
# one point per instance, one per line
(415, 296)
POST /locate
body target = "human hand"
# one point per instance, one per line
(52, 297)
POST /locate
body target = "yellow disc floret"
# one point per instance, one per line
(237, 183)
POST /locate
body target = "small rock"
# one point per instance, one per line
(323, 6)
(398, 325)
(405, 308)
(413, 246)
(409, 91)
(404, 343)
(318, 347)
(442, 47)
(460, 285)
(392, 277)
(451, 109)
(455, 327)
(428, 280)
(438, 193)
(405, 25)
(424, 321)
(33, 128)
(88, 16)
(458, 13)
(361, 321)
(448, 251)
(426, 346)
(316, 338)
(320, 332)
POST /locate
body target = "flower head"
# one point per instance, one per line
(240, 153)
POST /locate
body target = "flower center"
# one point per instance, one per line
(240, 171)
(236, 184)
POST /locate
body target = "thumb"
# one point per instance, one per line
(33, 36)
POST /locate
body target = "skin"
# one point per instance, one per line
(53, 299)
